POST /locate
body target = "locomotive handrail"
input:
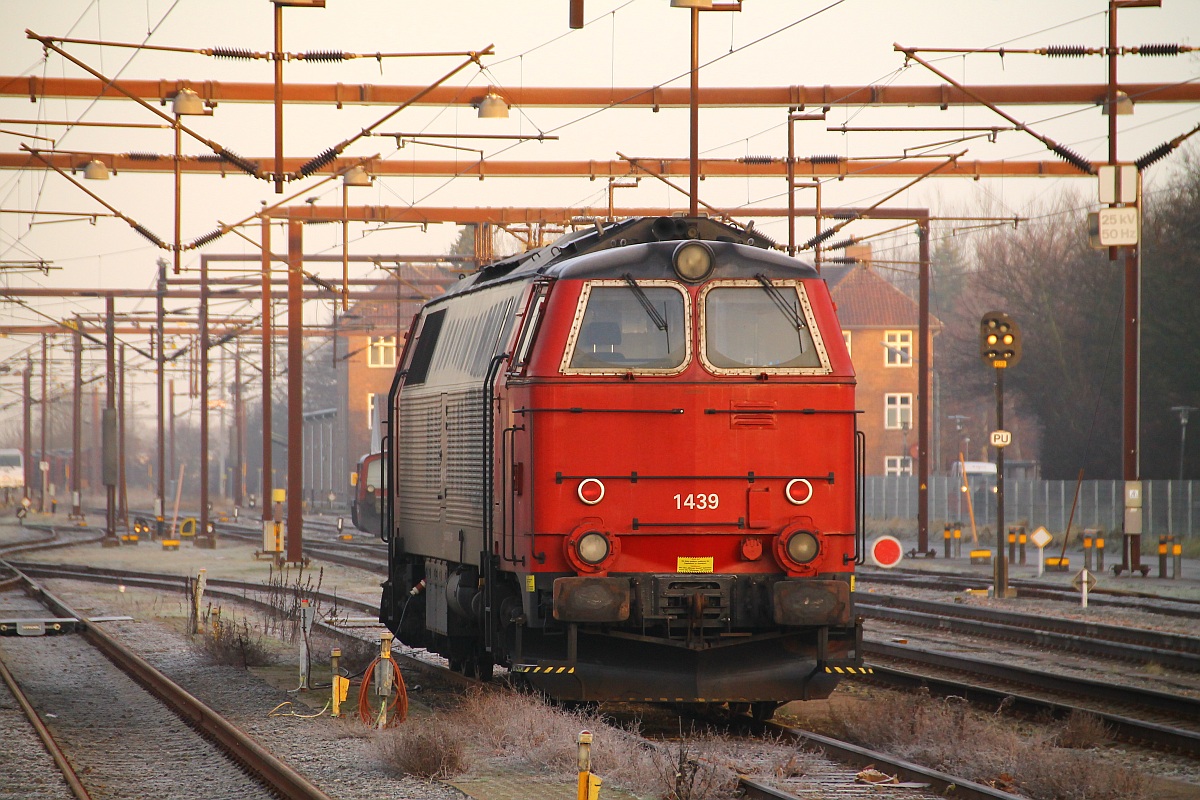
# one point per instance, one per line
(579, 410)
(740, 524)
(860, 499)
(750, 477)
(487, 563)
(388, 506)
(508, 520)
(740, 411)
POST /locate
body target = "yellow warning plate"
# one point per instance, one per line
(694, 564)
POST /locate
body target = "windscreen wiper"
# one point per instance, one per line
(651, 311)
(785, 308)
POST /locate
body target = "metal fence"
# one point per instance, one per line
(1167, 506)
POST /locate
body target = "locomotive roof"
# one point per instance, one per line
(611, 246)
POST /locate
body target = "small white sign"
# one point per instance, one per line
(1118, 226)
(1041, 537)
(1118, 183)
(1001, 438)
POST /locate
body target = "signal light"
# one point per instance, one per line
(999, 340)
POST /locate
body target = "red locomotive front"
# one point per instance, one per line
(670, 477)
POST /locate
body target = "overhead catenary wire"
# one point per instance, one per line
(244, 54)
(1063, 152)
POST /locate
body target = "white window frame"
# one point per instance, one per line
(898, 349)
(897, 465)
(846, 338)
(370, 410)
(381, 352)
(897, 410)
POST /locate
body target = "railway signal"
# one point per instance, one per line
(999, 340)
(1000, 348)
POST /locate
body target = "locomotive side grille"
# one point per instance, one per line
(419, 462)
(464, 442)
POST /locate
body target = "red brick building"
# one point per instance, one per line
(880, 325)
(373, 341)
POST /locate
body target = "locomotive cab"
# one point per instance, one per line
(666, 467)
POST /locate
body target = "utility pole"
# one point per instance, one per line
(295, 460)
(206, 537)
(160, 360)
(42, 459)
(1131, 550)
(924, 366)
(77, 426)
(239, 426)
(108, 427)
(266, 481)
(122, 487)
(28, 381)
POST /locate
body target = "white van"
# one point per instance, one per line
(979, 474)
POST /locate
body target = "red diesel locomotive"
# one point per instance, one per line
(627, 466)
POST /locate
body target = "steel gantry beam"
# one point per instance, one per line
(761, 167)
(788, 97)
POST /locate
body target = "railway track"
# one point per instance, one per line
(1145, 602)
(1157, 719)
(838, 784)
(1142, 723)
(110, 703)
(1124, 643)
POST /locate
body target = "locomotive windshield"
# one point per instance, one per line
(628, 325)
(756, 325)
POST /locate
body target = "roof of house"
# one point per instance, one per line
(382, 315)
(866, 300)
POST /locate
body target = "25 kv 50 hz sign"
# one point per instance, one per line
(1117, 227)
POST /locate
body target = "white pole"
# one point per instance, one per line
(1041, 562)
(1084, 585)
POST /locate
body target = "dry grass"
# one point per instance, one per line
(432, 750)
(1082, 731)
(512, 730)
(948, 734)
(234, 643)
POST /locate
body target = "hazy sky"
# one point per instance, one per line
(638, 43)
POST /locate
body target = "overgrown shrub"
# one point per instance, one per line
(235, 644)
(431, 750)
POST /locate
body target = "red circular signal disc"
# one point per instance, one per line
(886, 552)
(591, 491)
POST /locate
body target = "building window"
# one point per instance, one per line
(897, 465)
(897, 411)
(897, 349)
(381, 351)
(370, 411)
(846, 337)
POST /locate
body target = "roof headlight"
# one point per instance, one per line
(693, 261)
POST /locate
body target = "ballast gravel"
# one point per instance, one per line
(337, 755)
